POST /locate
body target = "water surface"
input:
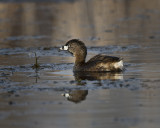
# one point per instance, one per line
(36, 97)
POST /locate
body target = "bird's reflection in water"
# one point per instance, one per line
(77, 96)
(98, 75)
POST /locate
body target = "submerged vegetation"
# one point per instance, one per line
(36, 64)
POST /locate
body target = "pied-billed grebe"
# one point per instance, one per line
(99, 62)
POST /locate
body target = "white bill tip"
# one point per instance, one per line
(67, 95)
(64, 48)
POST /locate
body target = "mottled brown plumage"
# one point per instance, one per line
(99, 62)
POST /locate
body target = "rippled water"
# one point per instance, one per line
(31, 97)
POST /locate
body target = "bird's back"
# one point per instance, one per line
(103, 62)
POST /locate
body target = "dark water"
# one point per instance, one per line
(32, 97)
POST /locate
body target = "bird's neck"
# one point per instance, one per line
(80, 60)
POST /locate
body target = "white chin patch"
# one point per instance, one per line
(65, 48)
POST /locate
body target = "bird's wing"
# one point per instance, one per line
(103, 58)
